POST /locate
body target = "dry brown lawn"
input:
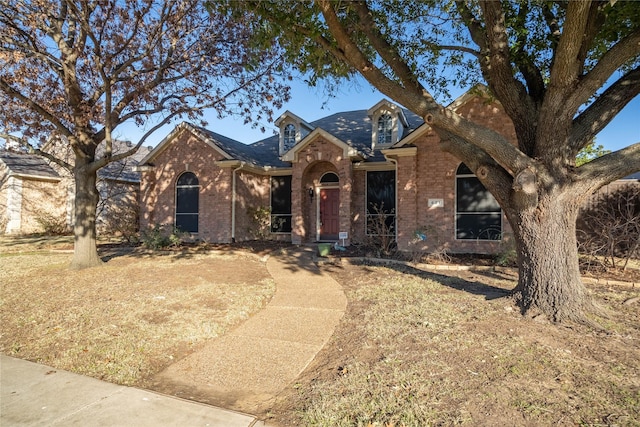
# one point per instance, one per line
(128, 319)
(421, 349)
(413, 349)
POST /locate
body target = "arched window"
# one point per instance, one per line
(187, 195)
(329, 178)
(385, 129)
(478, 214)
(289, 138)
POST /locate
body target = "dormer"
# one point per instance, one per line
(388, 123)
(292, 130)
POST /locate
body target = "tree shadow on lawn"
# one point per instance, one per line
(454, 281)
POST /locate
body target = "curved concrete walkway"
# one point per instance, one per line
(245, 369)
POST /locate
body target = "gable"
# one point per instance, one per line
(347, 150)
(174, 137)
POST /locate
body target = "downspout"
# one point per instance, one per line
(233, 201)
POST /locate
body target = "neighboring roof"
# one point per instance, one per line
(123, 170)
(35, 166)
(27, 165)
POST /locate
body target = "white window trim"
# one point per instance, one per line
(374, 125)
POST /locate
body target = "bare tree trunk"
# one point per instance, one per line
(549, 274)
(85, 252)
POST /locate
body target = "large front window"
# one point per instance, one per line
(187, 195)
(478, 214)
(381, 203)
(281, 204)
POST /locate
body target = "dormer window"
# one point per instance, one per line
(385, 129)
(388, 123)
(292, 130)
(289, 136)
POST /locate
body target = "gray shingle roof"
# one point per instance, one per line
(261, 153)
(351, 127)
(34, 165)
(27, 164)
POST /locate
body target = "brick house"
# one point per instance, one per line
(34, 191)
(357, 174)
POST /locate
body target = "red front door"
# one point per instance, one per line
(329, 213)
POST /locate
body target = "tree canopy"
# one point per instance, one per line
(75, 70)
(561, 70)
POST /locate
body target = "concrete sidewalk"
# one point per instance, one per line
(247, 367)
(37, 395)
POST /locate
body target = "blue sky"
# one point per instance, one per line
(311, 104)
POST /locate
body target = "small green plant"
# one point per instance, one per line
(260, 222)
(161, 237)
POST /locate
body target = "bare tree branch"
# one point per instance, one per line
(600, 113)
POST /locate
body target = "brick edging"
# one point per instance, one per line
(457, 267)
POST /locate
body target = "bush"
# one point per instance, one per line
(161, 237)
(122, 222)
(52, 225)
(381, 231)
(610, 227)
(260, 222)
(507, 256)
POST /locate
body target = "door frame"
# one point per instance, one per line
(317, 189)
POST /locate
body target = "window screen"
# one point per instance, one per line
(478, 214)
(187, 201)
(281, 204)
(381, 202)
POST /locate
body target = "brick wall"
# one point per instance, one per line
(434, 178)
(252, 191)
(188, 153)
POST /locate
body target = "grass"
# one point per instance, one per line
(128, 319)
(413, 348)
(417, 349)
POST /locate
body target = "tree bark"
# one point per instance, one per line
(549, 275)
(85, 253)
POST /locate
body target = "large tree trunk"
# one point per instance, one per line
(85, 252)
(549, 276)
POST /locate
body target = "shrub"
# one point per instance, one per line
(122, 222)
(507, 256)
(161, 237)
(610, 226)
(260, 218)
(53, 225)
(381, 231)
